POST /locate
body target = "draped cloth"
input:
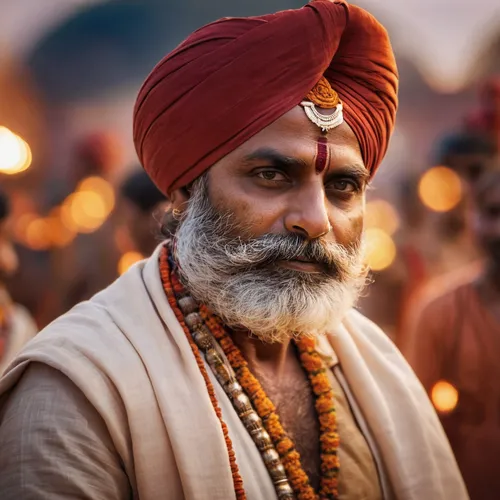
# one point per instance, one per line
(128, 354)
(232, 78)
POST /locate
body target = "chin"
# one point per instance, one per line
(278, 321)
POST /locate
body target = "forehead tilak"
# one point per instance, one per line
(322, 96)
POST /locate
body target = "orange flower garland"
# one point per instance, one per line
(325, 408)
(329, 440)
(168, 286)
(324, 401)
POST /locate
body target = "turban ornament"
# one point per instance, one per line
(323, 96)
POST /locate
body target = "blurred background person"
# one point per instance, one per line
(140, 210)
(432, 243)
(16, 325)
(469, 153)
(453, 343)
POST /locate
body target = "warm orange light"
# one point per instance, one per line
(100, 186)
(84, 212)
(60, 235)
(440, 189)
(444, 397)
(66, 215)
(89, 206)
(37, 235)
(15, 153)
(20, 226)
(381, 214)
(380, 249)
(127, 260)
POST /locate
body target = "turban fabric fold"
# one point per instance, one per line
(232, 78)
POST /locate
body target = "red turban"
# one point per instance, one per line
(234, 77)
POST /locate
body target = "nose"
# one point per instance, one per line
(308, 215)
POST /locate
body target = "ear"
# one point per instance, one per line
(178, 199)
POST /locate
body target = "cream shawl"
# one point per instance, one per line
(128, 354)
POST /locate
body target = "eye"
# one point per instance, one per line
(271, 175)
(344, 185)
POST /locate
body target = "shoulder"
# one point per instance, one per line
(368, 335)
(91, 327)
(51, 434)
(355, 319)
(47, 390)
(442, 296)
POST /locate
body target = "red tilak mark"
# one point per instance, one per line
(322, 155)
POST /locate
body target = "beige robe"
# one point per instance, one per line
(126, 351)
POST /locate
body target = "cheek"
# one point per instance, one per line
(256, 217)
(347, 227)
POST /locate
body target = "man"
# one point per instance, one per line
(141, 200)
(16, 324)
(230, 364)
(454, 339)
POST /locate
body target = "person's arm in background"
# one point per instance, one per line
(425, 338)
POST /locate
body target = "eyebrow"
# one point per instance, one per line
(356, 170)
(275, 157)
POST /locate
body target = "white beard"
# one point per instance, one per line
(240, 282)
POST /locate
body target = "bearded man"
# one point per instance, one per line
(231, 364)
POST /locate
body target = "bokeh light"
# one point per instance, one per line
(381, 214)
(86, 209)
(444, 397)
(127, 260)
(380, 249)
(15, 153)
(20, 226)
(100, 186)
(37, 236)
(60, 234)
(440, 189)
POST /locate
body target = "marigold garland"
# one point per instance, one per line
(325, 408)
(324, 404)
(168, 286)
(321, 387)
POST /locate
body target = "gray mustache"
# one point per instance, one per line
(271, 248)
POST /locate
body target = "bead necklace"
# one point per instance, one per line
(258, 414)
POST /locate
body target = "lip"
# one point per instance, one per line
(301, 265)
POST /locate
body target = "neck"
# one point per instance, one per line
(269, 357)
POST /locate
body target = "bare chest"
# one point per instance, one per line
(295, 405)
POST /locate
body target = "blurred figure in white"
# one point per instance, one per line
(16, 324)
